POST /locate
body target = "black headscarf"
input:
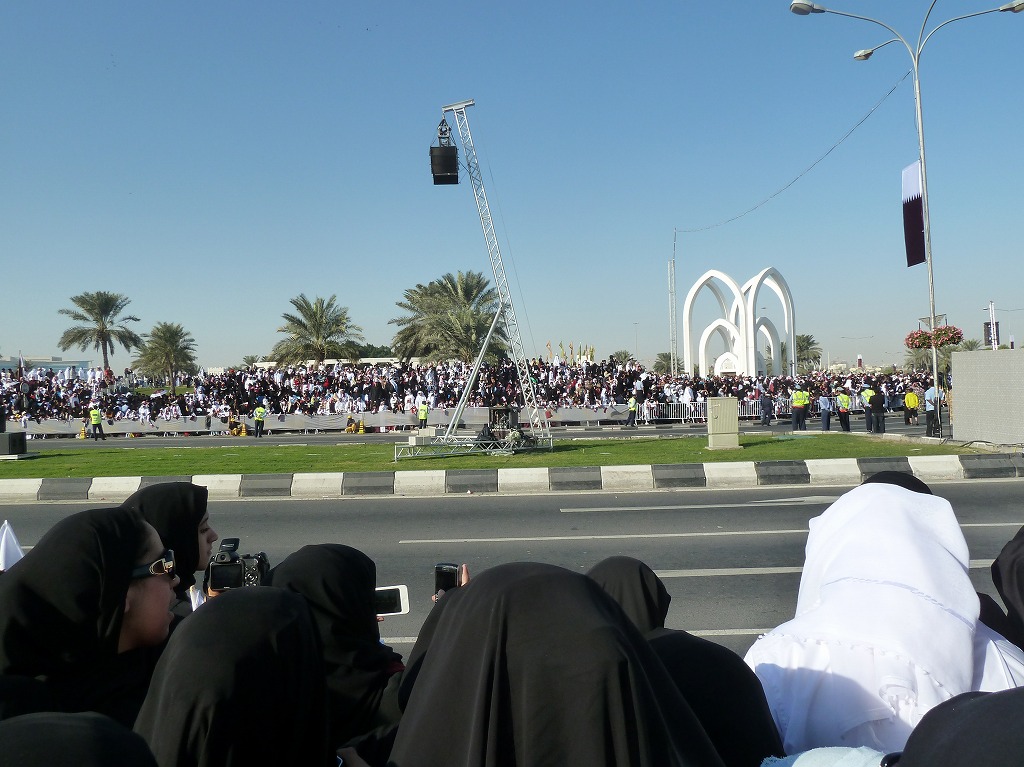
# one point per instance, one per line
(175, 509)
(722, 690)
(61, 606)
(338, 583)
(533, 664)
(976, 728)
(84, 740)
(240, 683)
(1008, 578)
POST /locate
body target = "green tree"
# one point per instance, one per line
(969, 345)
(318, 331)
(373, 350)
(102, 324)
(808, 353)
(921, 359)
(449, 318)
(663, 364)
(622, 356)
(249, 360)
(168, 349)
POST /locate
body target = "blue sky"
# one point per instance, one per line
(211, 160)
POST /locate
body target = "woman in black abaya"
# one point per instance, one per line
(178, 512)
(721, 689)
(240, 683)
(532, 664)
(84, 740)
(338, 583)
(86, 609)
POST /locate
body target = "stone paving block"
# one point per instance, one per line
(219, 485)
(471, 480)
(113, 489)
(569, 478)
(627, 478)
(737, 474)
(422, 482)
(317, 485)
(65, 489)
(265, 486)
(668, 475)
(524, 480)
(782, 473)
(870, 466)
(368, 483)
(19, 490)
(988, 466)
(833, 471)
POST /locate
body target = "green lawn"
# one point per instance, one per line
(248, 457)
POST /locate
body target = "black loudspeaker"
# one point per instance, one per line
(12, 443)
(444, 164)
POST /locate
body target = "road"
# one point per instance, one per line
(730, 559)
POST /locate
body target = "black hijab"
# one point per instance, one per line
(533, 664)
(175, 509)
(61, 606)
(240, 683)
(979, 729)
(1008, 578)
(722, 690)
(84, 740)
(338, 584)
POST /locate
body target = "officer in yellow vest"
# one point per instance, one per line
(843, 403)
(800, 400)
(866, 394)
(421, 412)
(259, 416)
(96, 419)
(631, 404)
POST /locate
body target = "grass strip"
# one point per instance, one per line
(248, 457)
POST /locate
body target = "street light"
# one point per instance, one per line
(801, 8)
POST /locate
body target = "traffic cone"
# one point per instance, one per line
(362, 429)
(242, 432)
(81, 434)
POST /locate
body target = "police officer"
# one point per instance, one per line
(96, 419)
(843, 406)
(631, 404)
(259, 416)
(800, 400)
(421, 412)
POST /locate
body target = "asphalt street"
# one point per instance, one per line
(730, 559)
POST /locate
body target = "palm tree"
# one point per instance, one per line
(663, 364)
(449, 318)
(102, 324)
(969, 345)
(622, 356)
(808, 353)
(249, 360)
(921, 359)
(168, 349)
(320, 330)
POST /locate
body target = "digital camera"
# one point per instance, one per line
(230, 570)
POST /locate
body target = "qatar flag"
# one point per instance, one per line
(913, 214)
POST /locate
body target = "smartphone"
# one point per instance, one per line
(446, 576)
(392, 600)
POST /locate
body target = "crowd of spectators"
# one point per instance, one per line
(354, 388)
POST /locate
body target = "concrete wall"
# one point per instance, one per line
(987, 397)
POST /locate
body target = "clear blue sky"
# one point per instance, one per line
(213, 159)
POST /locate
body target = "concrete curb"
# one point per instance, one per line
(740, 474)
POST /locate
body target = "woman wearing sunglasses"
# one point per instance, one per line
(178, 512)
(86, 610)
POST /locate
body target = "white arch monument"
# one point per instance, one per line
(739, 325)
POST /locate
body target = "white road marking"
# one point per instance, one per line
(623, 536)
(810, 500)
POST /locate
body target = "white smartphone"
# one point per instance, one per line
(392, 600)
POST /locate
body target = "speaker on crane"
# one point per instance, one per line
(444, 158)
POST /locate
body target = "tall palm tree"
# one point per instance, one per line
(808, 353)
(102, 324)
(969, 345)
(448, 318)
(167, 349)
(319, 330)
(663, 364)
(921, 359)
(622, 356)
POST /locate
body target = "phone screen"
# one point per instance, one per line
(392, 600)
(446, 576)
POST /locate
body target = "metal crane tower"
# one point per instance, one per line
(539, 428)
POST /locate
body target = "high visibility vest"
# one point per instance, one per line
(801, 398)
(844, 402)
(422, 411)
(260, 413)
(867, 394)
(95, 417)
(632, 404)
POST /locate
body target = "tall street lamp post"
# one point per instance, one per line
(801, 8)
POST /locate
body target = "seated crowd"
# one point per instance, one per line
(111, 653)
(345, 388)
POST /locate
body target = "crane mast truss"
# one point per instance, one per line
(538, 419)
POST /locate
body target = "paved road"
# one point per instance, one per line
(730, 559)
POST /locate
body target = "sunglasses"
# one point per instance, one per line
(163, 566)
